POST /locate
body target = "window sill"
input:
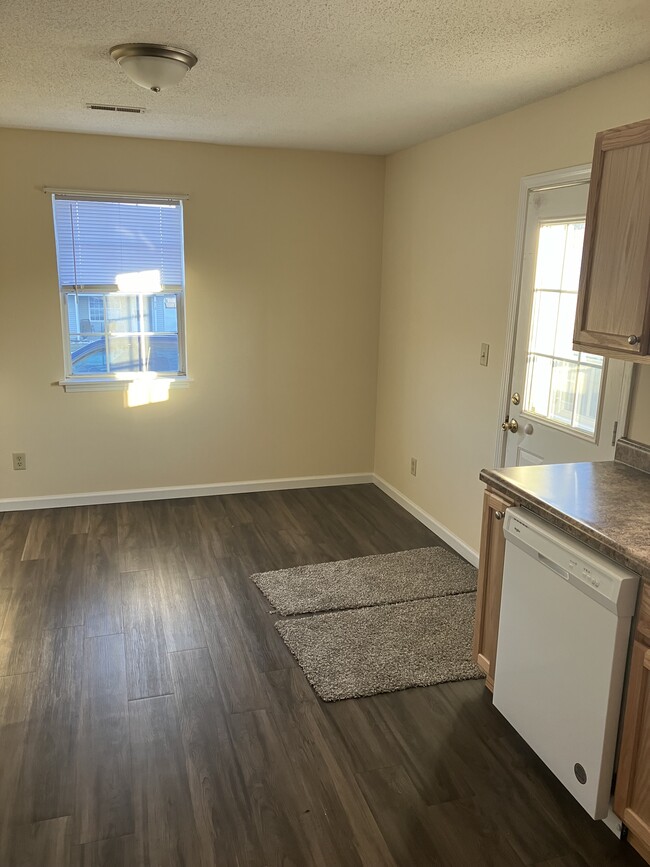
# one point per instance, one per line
(102, 384)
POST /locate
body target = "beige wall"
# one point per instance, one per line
(449, 228)
(283, 256)
(284, 263)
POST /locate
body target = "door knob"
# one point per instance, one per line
(633, 340)
(510, 424)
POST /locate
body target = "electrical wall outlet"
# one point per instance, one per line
(20, 461)
(414, 466)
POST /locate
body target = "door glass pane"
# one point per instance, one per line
(563, 390)
(564, 335)
(550, 256)
(544, 324)
(588, 397)
(573, 256)
(562, 385)
(539, 370)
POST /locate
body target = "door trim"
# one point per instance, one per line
(527, 185)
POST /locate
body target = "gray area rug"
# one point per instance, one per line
(347, 654)
(376, 580)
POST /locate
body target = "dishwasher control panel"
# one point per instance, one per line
(607, 582)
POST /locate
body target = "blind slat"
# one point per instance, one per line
(97, 240)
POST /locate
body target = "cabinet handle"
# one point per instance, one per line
(499, 515)
(633, 340)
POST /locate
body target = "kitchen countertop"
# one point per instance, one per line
(605, 505)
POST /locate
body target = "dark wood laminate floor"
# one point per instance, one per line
(151, 715)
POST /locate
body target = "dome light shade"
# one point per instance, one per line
(152, 66)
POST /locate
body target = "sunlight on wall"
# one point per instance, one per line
(145, 388)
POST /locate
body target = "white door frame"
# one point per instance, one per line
(528, 184)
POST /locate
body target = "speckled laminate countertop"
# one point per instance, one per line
(606, 505)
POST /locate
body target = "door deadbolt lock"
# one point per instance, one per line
(516, 398)
(510, 424)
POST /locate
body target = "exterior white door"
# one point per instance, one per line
(563, 405)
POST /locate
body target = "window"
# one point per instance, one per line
(562, 386)
(122, 286)
(96, 309)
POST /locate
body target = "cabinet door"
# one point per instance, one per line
(632, 795)
(613, 298)
(490, 576)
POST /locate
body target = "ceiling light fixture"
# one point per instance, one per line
(153, 66)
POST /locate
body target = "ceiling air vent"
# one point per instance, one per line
(125, 109)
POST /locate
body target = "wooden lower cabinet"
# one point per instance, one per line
(632, 794)
(490, 576)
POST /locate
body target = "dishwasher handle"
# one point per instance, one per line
(554, 567)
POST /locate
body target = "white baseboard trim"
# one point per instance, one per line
(93, 498)
(436, 527)
(139, 494)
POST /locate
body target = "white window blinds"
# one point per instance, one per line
(97, 239)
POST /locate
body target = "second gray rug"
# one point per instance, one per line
(347, 654)
(422, 573)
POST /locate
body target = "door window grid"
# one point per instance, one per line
(562, 386)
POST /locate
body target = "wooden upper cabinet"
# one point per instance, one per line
(613, 312)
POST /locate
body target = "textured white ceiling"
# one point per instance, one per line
(370, 76)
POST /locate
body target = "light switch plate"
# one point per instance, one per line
(485, 353)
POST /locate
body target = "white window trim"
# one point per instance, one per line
(110, 382)
(97, 383)
(112, 196)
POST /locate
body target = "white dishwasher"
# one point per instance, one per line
(564, 630)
